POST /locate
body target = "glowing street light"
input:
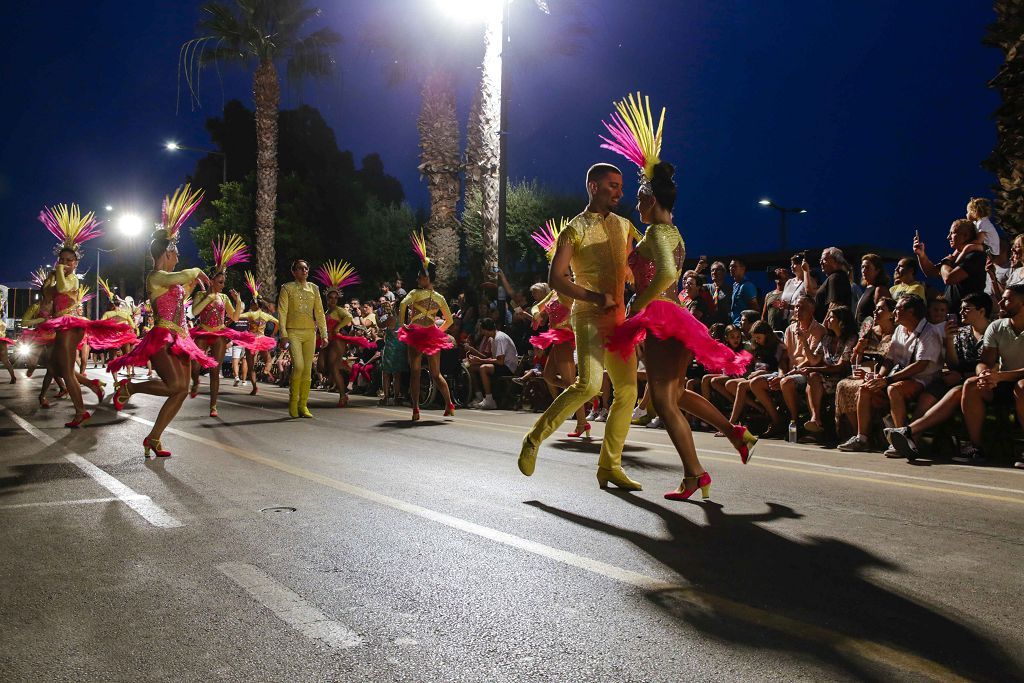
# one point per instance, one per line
(470, 10)
(108, 208)
(173, 146)
(782, 215)
(130, 225)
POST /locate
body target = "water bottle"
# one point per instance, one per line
(792, 434)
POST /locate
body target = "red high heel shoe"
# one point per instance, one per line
(121, 390)
(157, 448)
(43, 402)
(415, 414)
(580, 432)
(450, 410)
(78, 421)
(343, 400)
(97, 388)
(703, 482)
(213, 411)
(746, 451)
(194, 391)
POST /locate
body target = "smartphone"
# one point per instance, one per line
(951, 317)
(917, 235)
(495, 269)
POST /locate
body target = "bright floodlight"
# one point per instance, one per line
(129, 224)
(172, 146)
(470, 10)
(765, 202)
(803, 210)
(108, 207)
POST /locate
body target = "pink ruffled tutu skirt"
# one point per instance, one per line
(158, 338)
(426, 340)
(355, 340)
(554, 336)
(38, 338)
(261, 343)
(666, 320)
(99, 334)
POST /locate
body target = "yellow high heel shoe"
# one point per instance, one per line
(528, 456)
(617, 476)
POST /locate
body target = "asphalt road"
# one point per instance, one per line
(420, 553)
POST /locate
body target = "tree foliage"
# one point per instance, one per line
(1007, 159)
(528, 207)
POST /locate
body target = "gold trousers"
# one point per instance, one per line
(302, 345)
(592, 362)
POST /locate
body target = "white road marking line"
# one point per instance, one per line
(144, 505)
(54, 503)
(290, 607)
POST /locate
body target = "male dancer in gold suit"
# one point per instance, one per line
(594, 245)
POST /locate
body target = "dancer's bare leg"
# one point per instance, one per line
(66, 356)
(665, 373)
(7, 362)
(434, 365)
(218, 346)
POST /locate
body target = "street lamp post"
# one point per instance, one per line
(172, 146)
(783, 237)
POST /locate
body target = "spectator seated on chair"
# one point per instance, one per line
(836, 353)
(941, 399)
(802, 338)
(913, 360)
(483, 370)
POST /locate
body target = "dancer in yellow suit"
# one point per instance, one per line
(594, 245)
(301, 315)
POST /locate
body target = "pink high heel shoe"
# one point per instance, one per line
(746, 450)
(703, 482)
(580, 432)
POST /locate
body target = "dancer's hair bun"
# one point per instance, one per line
(159, 244)
(662, 185)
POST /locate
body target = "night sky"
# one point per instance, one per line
(872, 115)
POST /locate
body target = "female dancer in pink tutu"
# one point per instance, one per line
(71, 328)
(258, 318)
(212, 309)
(675, 335)
(168, 344)
(335, 276)
(559, 339)
(420, 331)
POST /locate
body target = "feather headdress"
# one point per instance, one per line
(70, 226)
(336, 275)
(228, 251)
(105, 288)
(177, 208)
(633, 134)
(84, 295)
(252, 285)
(38, 277)
(547, 237)
(419, 245)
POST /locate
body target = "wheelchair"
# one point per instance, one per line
(457, 376)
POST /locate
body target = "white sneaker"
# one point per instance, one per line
(655, 423)
(488, 404)
(236, 381)
(602, 416)
(638, 412)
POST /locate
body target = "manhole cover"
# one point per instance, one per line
(278, 509)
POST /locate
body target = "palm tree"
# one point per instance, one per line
(1007, 159)
(264, 33)
(439, 157)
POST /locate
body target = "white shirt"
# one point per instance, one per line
(989, 233)
(924, 343)
(793, 290)
(504, 346)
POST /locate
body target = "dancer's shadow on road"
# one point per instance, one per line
(244, 423)
(588, 446)
(758, 589)
(409, 424)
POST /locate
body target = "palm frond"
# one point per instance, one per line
(311, 56)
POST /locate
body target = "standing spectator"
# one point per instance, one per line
(484, 370)
(978, 212)
(795, 288)
(914, 359)
(721, 294)
(695, 298)
(369, 318)
(744, 293)
(775, 308)
(876, 286)
(835, 289)
(905, 278)
(1014, 272)
(399, 290)
(963, 271)
(386, 293)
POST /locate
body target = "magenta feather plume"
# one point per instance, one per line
(69, 225)
(623, 141)
(545, 237)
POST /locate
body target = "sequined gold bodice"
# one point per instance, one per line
(423, 305)
(657, 264)
(600, 245)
